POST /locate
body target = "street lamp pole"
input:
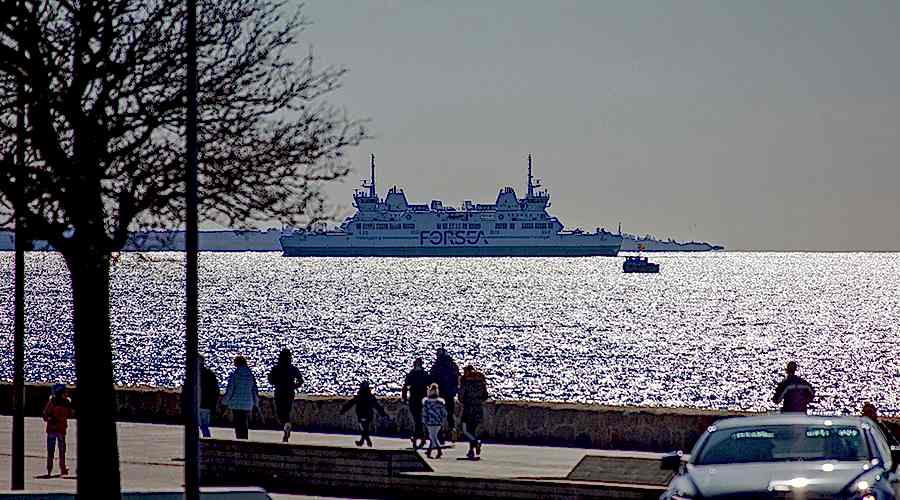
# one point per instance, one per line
(18, 430)
(192, 365)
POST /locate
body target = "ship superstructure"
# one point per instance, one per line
(393, 227)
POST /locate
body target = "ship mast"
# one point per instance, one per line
(530, 183)
(372, 183)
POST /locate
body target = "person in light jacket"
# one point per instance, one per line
(241, 396)
(434, 414)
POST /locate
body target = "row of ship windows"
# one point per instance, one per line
(455, 225)
(525, 225)
(385, 226)
(451, 225)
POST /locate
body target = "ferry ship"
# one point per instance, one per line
(393, 227)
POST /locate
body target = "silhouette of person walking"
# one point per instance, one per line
(57, 413)
(415, 388)
(794, 393)
(869, 410)
(242, 396)
(209, 396)
(445, 373)
(366, 406)
(472, 394)
(434, 413)
(286, 379)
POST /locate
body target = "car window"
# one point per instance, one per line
(776, 443)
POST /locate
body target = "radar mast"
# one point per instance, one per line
(531, 182)
(371, 184)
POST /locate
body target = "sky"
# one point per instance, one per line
(757, 125)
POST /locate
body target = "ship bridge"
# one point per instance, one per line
(396, 200)
(367, 201)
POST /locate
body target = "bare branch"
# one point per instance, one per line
(104, 97)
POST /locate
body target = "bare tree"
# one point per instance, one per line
(104, 96)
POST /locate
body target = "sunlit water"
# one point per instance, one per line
(710, 330)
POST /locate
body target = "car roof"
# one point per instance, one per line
(789, 419)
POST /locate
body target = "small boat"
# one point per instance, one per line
(638, 264)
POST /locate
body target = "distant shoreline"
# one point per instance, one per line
(268, 241)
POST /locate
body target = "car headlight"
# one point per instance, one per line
(682, 488)
(863, 489)
(681, 494)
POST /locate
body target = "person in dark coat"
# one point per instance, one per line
(472, 394)
(286, 379)
(871, 411)
(366, 406)
(445, 373)
(793, 392)
(209, 397)
(415, 388)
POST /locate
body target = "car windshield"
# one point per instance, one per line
(779, 443)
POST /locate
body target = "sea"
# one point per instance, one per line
(711, 330)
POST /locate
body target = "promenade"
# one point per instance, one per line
(151, 454)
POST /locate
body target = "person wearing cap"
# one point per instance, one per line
(286, 379)
(472, 395)
(57, 413)
(241, 396)
(445, 373)
(794, 393)
(366, 406)
(415, 388)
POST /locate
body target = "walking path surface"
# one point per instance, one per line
(151, 456)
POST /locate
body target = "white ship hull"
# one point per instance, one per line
(449, 244)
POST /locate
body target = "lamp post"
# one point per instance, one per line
(18, 429)
(192, 369)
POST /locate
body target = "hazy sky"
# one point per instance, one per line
(759, 125)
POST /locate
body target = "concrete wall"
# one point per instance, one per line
(536, 423)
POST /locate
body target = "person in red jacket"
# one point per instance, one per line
(57, 414)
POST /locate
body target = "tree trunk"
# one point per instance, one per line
(98, 453)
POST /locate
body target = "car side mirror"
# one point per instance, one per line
(671, 461)
(895, 457)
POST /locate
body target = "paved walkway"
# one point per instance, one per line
(151, 456)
